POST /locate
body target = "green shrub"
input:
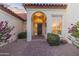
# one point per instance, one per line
(75, 34)
(53, 39)
(77, 24)
(22, 35)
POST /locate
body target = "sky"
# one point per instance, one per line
(16, 5)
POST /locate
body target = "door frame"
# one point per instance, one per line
(42, 24)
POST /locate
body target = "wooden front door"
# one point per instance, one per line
(39, 29)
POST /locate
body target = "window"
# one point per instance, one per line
(57, 24)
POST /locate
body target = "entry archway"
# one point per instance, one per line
(39, 24)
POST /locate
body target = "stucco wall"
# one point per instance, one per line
(13, 21)
(24, 26)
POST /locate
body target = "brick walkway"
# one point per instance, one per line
(38, 47)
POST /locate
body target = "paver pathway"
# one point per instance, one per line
(38, 47)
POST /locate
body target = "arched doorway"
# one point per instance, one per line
(38, 24)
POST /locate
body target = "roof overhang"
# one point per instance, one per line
(10, 12)
(45, 5)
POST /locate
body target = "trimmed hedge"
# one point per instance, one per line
(22, 35)
(53, 39)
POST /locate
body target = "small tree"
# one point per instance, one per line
(74, 30)
(5, 31)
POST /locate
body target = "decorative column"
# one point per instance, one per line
(49, 25)
(29, 27)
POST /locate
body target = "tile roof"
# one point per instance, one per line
(45, 5)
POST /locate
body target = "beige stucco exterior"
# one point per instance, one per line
(13, 21)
